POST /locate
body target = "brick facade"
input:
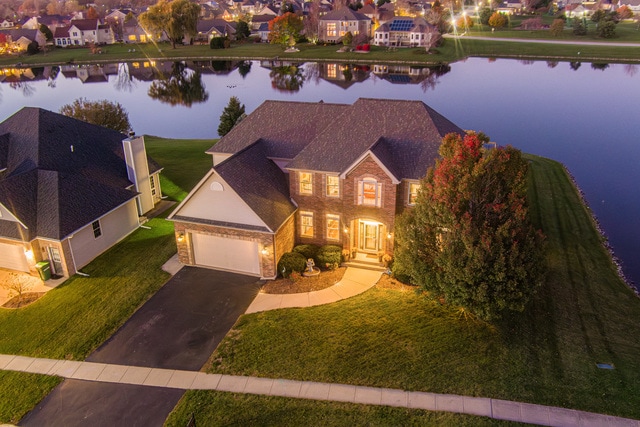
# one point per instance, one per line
(393, 202)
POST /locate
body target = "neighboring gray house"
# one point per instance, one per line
(69, 190)
(23, 37)
(334, 25)
(210, 28)
(403, 31)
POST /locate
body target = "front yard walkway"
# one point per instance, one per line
(191, 380)
(354, 282)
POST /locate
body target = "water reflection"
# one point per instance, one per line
(181, 87)
(285, 77)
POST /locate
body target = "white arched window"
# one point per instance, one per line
(370, 192)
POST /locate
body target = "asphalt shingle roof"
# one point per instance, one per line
(61, 173)
(345, 14)
(260, 183)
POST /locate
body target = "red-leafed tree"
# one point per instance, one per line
(469, 239)
(285, 29)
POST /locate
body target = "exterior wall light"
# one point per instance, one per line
(264, 250)
(180, 237)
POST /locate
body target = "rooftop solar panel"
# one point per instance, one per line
(401, 25)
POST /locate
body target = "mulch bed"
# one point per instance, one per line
(304, 284)
(27, 298)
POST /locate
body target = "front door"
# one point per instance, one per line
(369, 236)
(56, 261)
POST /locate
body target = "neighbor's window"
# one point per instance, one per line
(306, 183)
(97, 232)
(306, 224)
(333, 186)
(152, 183)
(413, 192)
(333, 227)
(332, 71)
(370, 193)
(331, 29)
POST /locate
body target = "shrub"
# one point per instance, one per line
(218, 42)
(329, 257)
(307, 251)
(291, 262)
(557, 27)
(579, 28)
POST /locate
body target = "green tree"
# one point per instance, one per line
(469, 239)
(285, 29)
(579, 27)
(347, 39)
(484, 15)
(231, 116)
(497, 20)
(557, 27)
(606, 29)
(176, 19)
(242, 30)
(105, 113)
(47, 32)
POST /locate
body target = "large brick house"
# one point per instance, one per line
(295, 172)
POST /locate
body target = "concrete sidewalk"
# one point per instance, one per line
(190, 380)
(355, 281)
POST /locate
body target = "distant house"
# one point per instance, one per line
(341, 179)
(403, 31)
(7, 24)
(334, 25)
(263, 32)
(21, 38)
(132, 32)
(634, 5)
(61, 37)
(85, 31)
(210, 28)
(69, 190)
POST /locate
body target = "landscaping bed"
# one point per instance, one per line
(297, 283)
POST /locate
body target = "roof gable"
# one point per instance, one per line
(345, 14)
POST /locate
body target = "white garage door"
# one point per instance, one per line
(12, 257)
(227, 254)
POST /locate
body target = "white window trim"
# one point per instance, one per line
(97, 231)
(378, 192)
(326, 186)
(300, 184)
(409, 192)
(306, 214)
(337, 219)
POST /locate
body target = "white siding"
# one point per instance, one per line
(114, 227)
(216, 200)
(138, 170)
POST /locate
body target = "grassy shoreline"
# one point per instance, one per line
(452, 50)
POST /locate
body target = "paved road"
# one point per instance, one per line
(178, 328)
(569, 42)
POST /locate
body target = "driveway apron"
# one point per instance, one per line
(178, 328)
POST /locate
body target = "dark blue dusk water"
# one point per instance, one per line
(588, 118)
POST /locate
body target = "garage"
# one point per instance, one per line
(12, 257)
(227, 254)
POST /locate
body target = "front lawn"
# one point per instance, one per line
(184, 162)
(213, 408)
(583, 315)
(69, 322)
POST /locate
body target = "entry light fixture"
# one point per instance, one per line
(264, 250)
(388, 235)
(180, 237)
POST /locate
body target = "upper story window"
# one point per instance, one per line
(333, 186)
(331, 29)
(306, 224)
(370, 192)
(97, 231)
(413, 192)
(306, 183)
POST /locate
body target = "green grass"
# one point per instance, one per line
(584, 314)
(212, 408)
(184, 160)
(75, 318)
(450, 52)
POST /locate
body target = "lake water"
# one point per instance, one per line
(585, 116)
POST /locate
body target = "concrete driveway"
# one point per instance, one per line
(178, 328)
